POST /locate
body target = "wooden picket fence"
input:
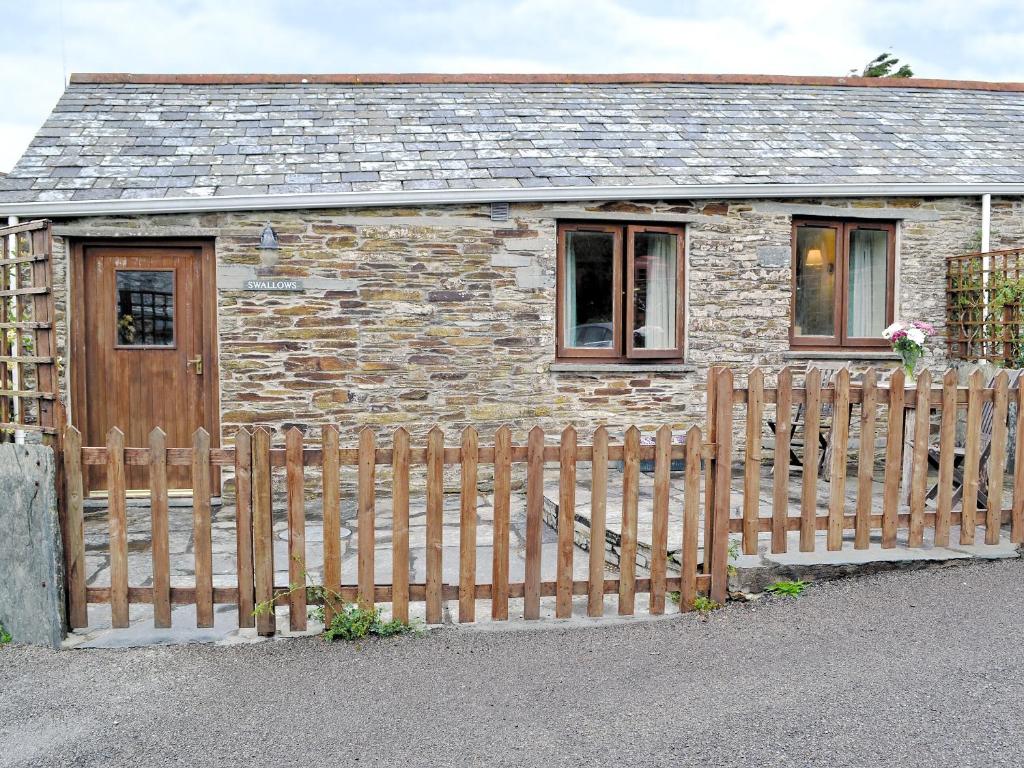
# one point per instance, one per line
(889, 410)
(254, 460)
(902, 415)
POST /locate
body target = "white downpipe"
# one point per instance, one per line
(986, 222)
(12, 284)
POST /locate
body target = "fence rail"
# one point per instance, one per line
(752, 473)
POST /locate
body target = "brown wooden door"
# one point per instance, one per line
(145, 350)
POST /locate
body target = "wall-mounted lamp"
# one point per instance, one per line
(814, 258)
(269, 246)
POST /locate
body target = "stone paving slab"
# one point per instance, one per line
(224, 559)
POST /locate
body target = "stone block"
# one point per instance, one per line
(31, 550)
(774, 256)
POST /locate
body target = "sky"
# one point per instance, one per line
(45, 40)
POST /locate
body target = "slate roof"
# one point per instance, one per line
(108, 140)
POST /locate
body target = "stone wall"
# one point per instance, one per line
(440, 315)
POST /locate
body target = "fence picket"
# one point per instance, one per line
(243, 527)
(159, 533)
(467, 526)
(74, 544)
(947, 436)
(566, 522)
(331, 480)
(263, 532)
(534, 510)
(659, 518)
(719, 544)
(919, 468)
(400, 526)
(691, 522)
(893, 459)
(866, 459)
(118, 525)
(435, 524)
(598, 522)
(202, 530)
(502, 503)
(366, 518)
(809, 487)
(972, 459)
(837, 470)
(752, 460)
(630, 507)
(997, 460)
(1017, 514)
(780, 465)
(294, 480)
(710, 486)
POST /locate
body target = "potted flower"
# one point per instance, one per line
(908, 340)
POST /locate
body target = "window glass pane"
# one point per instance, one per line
(145, 308)
(655, 272)
(815, 282)
(589, 290)
(869, 250)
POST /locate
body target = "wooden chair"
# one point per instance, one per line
(985, 446)
(828, 372)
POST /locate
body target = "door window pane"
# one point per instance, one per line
(588, 310)
(655, 290)
(815, 281)
(145, 308)
(869, 251)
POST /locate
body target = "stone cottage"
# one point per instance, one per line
(488, 249)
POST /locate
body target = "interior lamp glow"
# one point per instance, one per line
(814, 258)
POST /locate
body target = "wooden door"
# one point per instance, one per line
(144, 356)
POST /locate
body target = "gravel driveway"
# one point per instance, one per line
(922, 668)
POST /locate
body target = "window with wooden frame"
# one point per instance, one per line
(843, 283)
(620, 292)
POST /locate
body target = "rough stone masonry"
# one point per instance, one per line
(417, 316)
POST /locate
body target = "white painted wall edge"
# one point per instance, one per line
(300, 201)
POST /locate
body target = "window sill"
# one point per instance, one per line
(840, 354)
(564, 367)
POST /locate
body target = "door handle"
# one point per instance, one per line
(197, 361)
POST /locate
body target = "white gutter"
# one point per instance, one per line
(511, 195)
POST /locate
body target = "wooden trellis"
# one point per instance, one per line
(984, 299)
(28, 374)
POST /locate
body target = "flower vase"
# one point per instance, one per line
(908, 361)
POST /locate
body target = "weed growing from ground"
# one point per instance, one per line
(351, 621)
(787, 588)
(354, 622)
(5, 636)
(705, 605)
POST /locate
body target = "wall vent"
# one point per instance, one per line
(499, 211)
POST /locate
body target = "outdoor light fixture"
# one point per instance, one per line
(813, 257)
(268, 239)
(269, 246)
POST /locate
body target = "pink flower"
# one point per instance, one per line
(928, 328)
(897, 335)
